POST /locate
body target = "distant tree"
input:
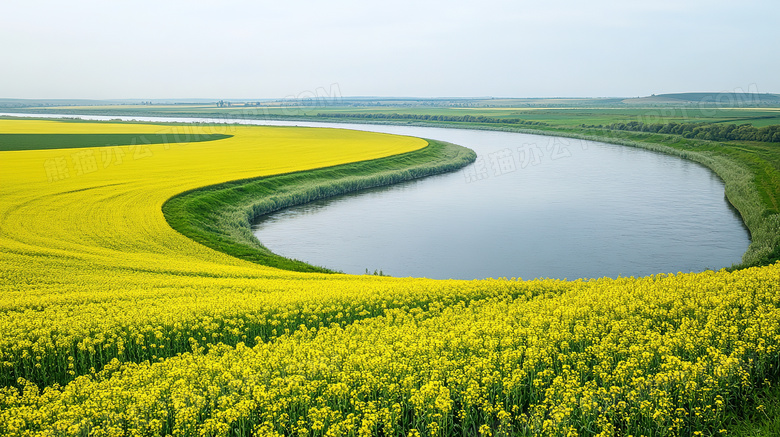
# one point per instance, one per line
(706, 131)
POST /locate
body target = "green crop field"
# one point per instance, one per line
(68, 141)
(560, 114)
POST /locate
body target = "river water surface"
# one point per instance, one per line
(532, 206)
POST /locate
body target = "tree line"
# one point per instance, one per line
(702, 131)
(706, 131)
(428, 117)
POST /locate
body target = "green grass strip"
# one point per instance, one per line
(221, 216)
(71, 141)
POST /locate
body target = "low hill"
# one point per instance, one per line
(721, 99)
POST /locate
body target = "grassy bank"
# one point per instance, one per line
(28, 141)
(220, 216)
(759, 415)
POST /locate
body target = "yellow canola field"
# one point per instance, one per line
(104, 209)
(111, 323)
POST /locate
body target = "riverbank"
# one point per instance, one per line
(221, 216)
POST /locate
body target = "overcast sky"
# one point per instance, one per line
(258, 49)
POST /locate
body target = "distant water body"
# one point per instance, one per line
(531, 206)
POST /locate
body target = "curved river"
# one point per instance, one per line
(531, 206)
